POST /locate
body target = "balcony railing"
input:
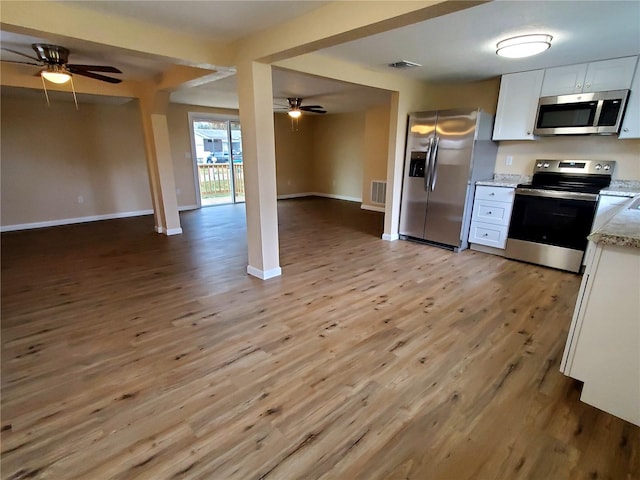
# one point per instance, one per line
(215, 178)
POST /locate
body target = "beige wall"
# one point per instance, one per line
(294, 154)
(482, 95)
(338, 154)
(52, 155)
(375, 148)
(180, 139)
(323, 154)
(625, 152)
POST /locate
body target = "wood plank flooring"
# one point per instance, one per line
(131, 355)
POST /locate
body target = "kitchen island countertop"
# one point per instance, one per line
(623, 229)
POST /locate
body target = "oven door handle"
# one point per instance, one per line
(533, 192)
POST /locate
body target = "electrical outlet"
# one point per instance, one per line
(508, 160)
(80, 199)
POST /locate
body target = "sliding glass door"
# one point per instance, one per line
(218, 151)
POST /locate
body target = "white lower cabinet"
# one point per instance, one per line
(603, 345)
(490, 220)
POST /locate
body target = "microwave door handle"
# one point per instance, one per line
(427, 166)
(596, 117)
(434, 174)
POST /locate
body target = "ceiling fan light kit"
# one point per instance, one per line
(294, 113)
(524, 45)
(56, 74)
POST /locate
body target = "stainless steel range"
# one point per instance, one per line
(552, 215)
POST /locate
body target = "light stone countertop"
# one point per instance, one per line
(622, 188)
(622, 230)
(505, 180)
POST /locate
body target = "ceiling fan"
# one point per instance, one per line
(296, 108)
(56, 69)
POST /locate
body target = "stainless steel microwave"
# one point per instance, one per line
(581, 114)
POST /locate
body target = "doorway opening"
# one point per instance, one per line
(219, 168)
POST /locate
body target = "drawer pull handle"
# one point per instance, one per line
(489, 213)
(492, 194)
(485, 234)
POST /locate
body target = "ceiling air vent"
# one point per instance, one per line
(404, 64)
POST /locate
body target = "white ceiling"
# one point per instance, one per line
(461, 46)
(454, 48)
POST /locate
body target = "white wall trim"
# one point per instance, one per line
(187, 207)
(173, 231)
(158, 229)
(319, 194)
(390, 237)
(264, 274)
(338, 197)
(70, 221)
(373, 208)
(295, 195)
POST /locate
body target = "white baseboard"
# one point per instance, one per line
(70, 221)
(318, 194)
(390, 237)
(187, 207)
(173, 231)
(295, 195)
(264, 274)
(373, 208)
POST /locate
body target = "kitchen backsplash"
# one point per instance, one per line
(523, 154)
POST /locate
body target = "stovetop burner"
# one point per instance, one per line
(584, 176)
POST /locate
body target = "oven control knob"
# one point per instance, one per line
(539, 165)
(598, 167)
(546, 165)
(607, 167)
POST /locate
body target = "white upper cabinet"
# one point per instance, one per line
(615, 74)
(631, 124)
(517, 105)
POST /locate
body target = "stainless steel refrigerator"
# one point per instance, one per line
(447, 152)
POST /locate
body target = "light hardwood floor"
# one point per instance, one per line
(127, 354)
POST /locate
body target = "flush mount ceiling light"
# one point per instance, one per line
(56, 74)
(523, 45)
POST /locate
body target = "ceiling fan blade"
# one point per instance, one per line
(313, 106)
(23, 55)
(312, 110)
(97, 76)
(75, 68)
(22, 63)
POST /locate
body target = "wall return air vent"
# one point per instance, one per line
(404, 64)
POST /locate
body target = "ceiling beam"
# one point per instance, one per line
(339, 22)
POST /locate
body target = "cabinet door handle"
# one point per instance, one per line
(625, 129)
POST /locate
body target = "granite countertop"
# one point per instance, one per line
(623, 229)
(622, 188)
(505, 180)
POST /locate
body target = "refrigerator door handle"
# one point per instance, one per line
(427, 164)
(434, 173)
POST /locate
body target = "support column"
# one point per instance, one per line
(153, 108)
(395, 164)
(255, 95)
